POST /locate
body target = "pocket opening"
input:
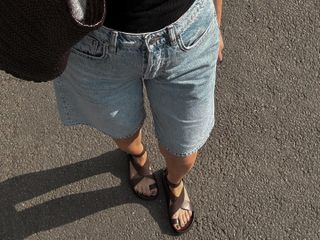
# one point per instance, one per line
(90, 47)
(196, 41)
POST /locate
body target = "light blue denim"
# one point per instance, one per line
(102, 85)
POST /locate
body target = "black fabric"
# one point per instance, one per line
(138, 16)
(37, 35)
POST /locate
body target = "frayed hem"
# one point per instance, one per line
(129, 135)
(196, 149)
(73, 123)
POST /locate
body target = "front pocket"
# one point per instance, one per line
(194, 35)
(89, 47)
(198, 26)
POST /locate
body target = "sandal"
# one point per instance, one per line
(143, 171)
(174, 203)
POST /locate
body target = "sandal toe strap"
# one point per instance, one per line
(186, 205)
(144, 170)
(136, 179)
(153, 186)
(175, 221)
(180, 202)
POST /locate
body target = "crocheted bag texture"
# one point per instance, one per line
(36, 36)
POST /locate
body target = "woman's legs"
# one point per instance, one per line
(133, 145)
(177, 167)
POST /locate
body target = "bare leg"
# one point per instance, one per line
(133, 145)
(178, 167)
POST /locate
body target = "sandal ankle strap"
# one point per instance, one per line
(145, 170)
(140, 154)
(171, 184)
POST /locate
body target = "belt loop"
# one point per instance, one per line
(113, 42)
(172, 35)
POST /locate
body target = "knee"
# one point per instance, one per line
(184, 161)
(188, 161)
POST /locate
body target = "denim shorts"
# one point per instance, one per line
(102, 85)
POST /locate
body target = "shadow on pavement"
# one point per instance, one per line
(60, 211)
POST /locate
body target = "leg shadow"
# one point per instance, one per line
(57, 212)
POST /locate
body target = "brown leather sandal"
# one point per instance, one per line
(174, 203)
(143, 171)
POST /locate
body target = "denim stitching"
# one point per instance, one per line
(202, 38)
(70, 122)
(190, 16)
(89, 56)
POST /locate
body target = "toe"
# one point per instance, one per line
(181, 220)
(177, 226)
(188, 216)
(185, 218)
(154, 192)
(177, 220)
(146, 190)
(138, 189)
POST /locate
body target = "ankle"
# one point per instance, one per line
(176, 187)
(173, 183)
(176, 190)
(142, 159)
(138, 151)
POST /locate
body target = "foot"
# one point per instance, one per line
(181, 214)
(142, 186)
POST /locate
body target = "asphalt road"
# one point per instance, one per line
(257, 177)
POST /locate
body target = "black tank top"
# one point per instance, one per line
(139, 16)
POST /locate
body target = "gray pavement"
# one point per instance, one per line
(257, 177)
